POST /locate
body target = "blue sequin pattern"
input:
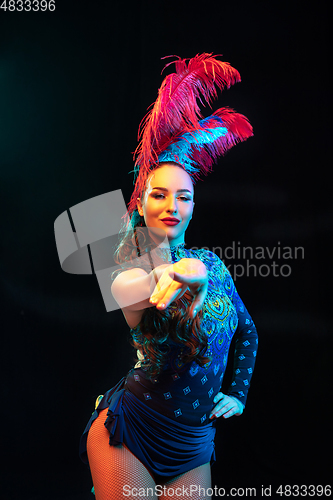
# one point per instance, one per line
(186, 391)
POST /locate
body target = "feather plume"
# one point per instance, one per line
(176, 108)
(173, 129)
(198, 150)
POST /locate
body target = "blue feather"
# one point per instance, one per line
(180, 150)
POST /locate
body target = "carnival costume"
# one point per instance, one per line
(164, 421)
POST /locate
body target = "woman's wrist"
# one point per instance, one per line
(155, 275)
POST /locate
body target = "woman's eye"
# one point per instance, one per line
(159, 196)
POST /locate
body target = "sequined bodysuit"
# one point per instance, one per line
(165, 422)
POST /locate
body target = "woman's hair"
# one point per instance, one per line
(157, 326)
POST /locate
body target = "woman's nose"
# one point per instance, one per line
(172, 205)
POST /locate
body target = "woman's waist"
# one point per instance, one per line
(176, 396)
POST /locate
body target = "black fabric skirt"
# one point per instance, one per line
(165, 447)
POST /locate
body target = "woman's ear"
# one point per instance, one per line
(192, 211)
(139, 205)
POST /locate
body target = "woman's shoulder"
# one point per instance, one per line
(206, 255)
(212, 261)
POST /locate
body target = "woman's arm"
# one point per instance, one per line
(246, 345)
(245, 353)
(135, 289)
(132, 288)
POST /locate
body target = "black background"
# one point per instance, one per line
(74, 85)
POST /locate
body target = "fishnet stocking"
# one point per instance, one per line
(195, 484)
(113, 467)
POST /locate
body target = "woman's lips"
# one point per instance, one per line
(170, 222)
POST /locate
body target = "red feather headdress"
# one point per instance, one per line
(173, 129)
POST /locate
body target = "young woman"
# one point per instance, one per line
(152, 435)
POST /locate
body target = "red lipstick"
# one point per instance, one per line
(170, 221)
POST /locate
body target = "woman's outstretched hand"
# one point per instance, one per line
(227, 406)
(176, 279)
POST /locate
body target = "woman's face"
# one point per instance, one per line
(169, 195)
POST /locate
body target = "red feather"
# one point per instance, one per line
(239, 129)
(176, 107)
